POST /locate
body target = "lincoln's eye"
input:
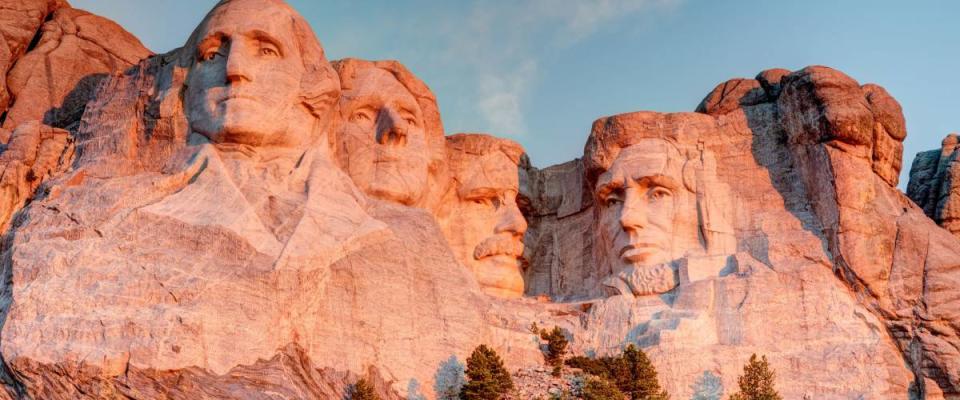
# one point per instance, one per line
(266, 51)
(659, 193)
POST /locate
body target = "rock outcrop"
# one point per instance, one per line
(240, 218)
(935, 184)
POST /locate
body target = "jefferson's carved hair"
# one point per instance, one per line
(348, 70)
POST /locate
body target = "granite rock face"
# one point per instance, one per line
(935, 184)
(241, 218)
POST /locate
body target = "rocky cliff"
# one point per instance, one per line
(240, 218)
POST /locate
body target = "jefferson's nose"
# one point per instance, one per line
(391, 128)
(238, 63)
(633, 214)
(511, 221)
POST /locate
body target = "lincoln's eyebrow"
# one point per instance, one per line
(607, 184)
(660, 180)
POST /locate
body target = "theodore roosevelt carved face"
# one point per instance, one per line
(479, 213)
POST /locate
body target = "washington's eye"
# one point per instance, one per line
(209, 55)
(269, 52)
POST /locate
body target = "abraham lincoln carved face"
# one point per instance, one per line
(257, 81)
(659, 207)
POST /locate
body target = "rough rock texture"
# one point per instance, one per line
(194, 248)
(935, 184)
(75, 50)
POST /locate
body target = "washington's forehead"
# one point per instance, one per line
(252, 15)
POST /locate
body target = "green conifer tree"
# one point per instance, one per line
(487, 378)
(596, 388)
(556, 349)
(756, 383)
(637, 377)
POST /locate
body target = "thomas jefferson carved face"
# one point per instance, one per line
(244, 86)
(382, 139)
(480, 217)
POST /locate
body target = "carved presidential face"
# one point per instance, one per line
(244, 85)
(483, 223)
(382, 140)
(641, 199)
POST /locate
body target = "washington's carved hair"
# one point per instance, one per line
(319, 87)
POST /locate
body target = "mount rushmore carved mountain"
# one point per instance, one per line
(242, 218)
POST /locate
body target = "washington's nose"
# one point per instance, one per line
(633, 215)
(237, 68)
(511, 221)
(391, 128)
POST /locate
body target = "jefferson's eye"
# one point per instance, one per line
(361, 116)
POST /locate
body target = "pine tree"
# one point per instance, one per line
(556, 349)
(363, 390)
(487, 379)
(637, 376)
(756, 383)
(595, 388)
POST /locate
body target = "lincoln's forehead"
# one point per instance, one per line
(648, 157)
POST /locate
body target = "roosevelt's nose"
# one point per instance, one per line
(391, 128)
(511, 221)
(633, 214)
(238, 63)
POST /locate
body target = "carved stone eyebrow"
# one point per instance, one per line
(209, 40)
(266, 37)
(660, 180)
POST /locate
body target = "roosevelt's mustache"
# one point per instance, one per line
(498, 245)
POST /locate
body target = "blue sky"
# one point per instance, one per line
(541, 71)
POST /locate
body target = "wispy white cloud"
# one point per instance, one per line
(502, 47)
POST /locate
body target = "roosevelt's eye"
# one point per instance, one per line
(489, 202)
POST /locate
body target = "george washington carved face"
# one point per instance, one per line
(257, 76)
